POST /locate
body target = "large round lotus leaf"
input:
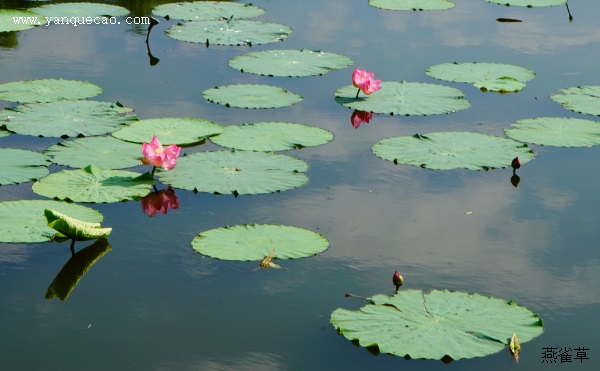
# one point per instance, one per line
(581, 99)
(81, 10)
(529, 3)
(47, 90)
(438, 324)
(7, 23)
(238, 172)
(93, 184)
(179, 131)
(272, 136)
(19, 165)
(104, 152)
(556, 131)
(502, 85)
(453, 150)
(405, 98)
(412, 4)
(232, 32)
(477, 71)
(255, 242)
(24, 221)
(69, 118)
(292, 63)
(207, 11)
(251, 96)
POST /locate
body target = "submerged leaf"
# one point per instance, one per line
(437, 325)
(74, 229)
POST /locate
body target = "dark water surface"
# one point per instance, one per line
(153, 303)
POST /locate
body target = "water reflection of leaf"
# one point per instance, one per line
(74, 270)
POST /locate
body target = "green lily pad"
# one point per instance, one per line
(491, 76)
(74, 229)
(3, 132)
(8, 24)
(69, 118)
(412, 4)
(93, 184)
(232, 32)
(556, 131)
(437, 325)
(74, 270)
(256, 241)
(24, 221)
(528, 3)
(251, 96)
(502, 85)
(272, 136)
(47, 90)
(292, 63)
(581, 99)
(19, 166)
(179, 131)
(405, 98)
(81, 10)
(238, 172)
(207, 11)
(104, 152)
(453, 150)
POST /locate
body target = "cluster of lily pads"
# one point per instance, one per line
(409, 323)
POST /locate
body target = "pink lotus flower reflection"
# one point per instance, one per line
(155, 154)
(160, 201)
(359, 117)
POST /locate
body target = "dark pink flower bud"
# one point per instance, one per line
(398, 280)
(516, 163)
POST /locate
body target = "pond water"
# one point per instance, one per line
(154, 303)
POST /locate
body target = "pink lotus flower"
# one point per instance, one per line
(155, 154)
(160, 201)
(359, 117)
(365, 81)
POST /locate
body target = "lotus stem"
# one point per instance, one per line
(153, 170)
(358, 92)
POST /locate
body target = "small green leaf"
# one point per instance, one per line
(47, 90)
(20, 165)
(556, 131)
(75, 229)
(412, 4)
(580, 99)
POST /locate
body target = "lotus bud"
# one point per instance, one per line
(398, 280)
(516, 163)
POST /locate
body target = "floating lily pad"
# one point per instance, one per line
(292, 63)
(207, 11)
(556, 131)
(238, 172)
(24, 221)
(104, 152)
(47, 90)
(74, 270)
(81, 10)
(251, 96)
(93, 184)
(502, 85)
(73, 228)
(272, 136)
(232, 32)
(179, 131)
(453, 150)
(8, 24)
(69, 118)
(254, 242)
(412, 4)
(3, 132)
(438, 324)
(491, 76)
(581, 99)
(405, 98)
(19, 166)
(528, 3)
